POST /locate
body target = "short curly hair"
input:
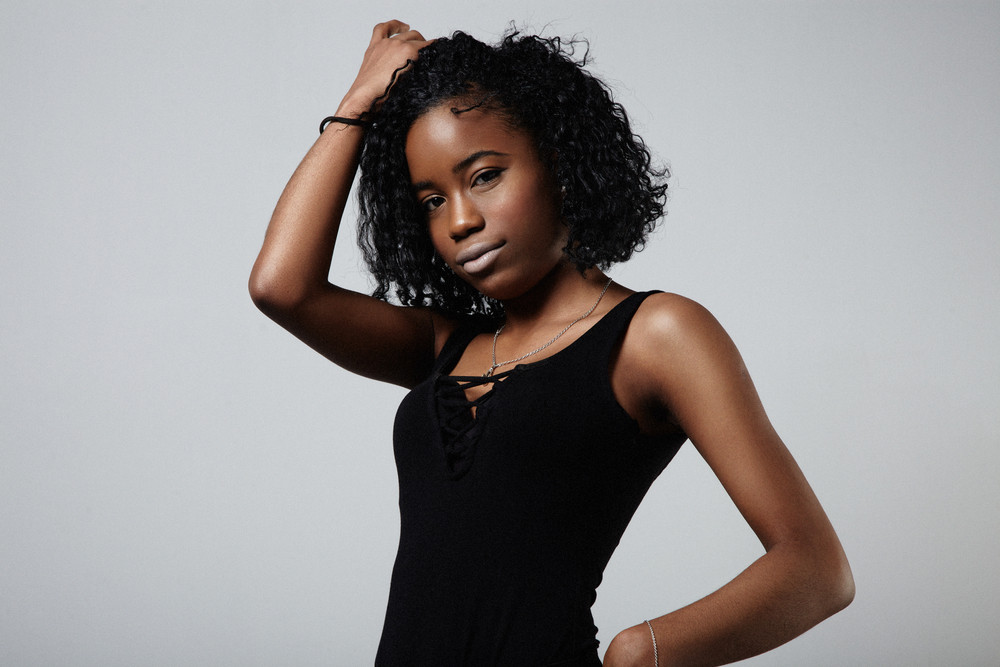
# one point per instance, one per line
(612, 193)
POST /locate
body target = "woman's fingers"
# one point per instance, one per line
(396, 30)
(388, 29)
(409, 36)
(393, 44)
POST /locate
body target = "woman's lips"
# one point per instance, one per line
(478, 257)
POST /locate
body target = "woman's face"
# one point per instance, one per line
(491, 204)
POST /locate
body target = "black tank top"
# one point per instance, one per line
(508, 518)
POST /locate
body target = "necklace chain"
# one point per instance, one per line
(494, 365)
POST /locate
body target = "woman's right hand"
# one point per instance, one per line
(393, 44)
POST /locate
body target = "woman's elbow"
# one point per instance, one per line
(834, 586)
(273, 295)
(841, 585)
(823, 582)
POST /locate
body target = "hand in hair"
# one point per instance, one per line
(392, 48)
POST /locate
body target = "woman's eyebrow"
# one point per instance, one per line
(472, 158)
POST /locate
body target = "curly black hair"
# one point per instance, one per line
(613, 195)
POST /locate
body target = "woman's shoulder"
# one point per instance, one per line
(670, 332)
(672, 346)
(664, 316)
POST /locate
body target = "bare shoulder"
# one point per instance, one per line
(666, 323)
(672, 348)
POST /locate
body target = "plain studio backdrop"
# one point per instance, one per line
(183, 483)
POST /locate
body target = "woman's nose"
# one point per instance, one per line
(465, 220)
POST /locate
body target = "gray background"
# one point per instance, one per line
(182, 483)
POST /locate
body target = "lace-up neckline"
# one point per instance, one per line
(460, 418)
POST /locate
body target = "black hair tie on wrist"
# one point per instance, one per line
(342, 119)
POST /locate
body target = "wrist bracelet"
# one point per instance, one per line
(656, 654)
(342, 119)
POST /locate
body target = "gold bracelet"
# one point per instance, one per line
(656, 654)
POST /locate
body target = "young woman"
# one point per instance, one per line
(497, 183)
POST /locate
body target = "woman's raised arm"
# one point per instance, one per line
(289, 281)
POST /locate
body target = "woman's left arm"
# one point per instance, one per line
(699, 381)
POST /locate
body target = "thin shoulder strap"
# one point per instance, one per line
(459, 340)
(602, 338)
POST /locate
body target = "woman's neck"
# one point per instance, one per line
(560, 297)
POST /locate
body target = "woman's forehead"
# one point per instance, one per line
(441, 132)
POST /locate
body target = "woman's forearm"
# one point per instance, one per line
(295, 260)
(781, 595)
(298, 247)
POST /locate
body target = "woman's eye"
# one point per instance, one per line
(486, 176)
(432, 203)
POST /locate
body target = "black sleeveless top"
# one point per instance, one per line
(508, 518)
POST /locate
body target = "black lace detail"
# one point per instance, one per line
(461, 420)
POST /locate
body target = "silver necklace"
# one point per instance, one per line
(494, 365)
